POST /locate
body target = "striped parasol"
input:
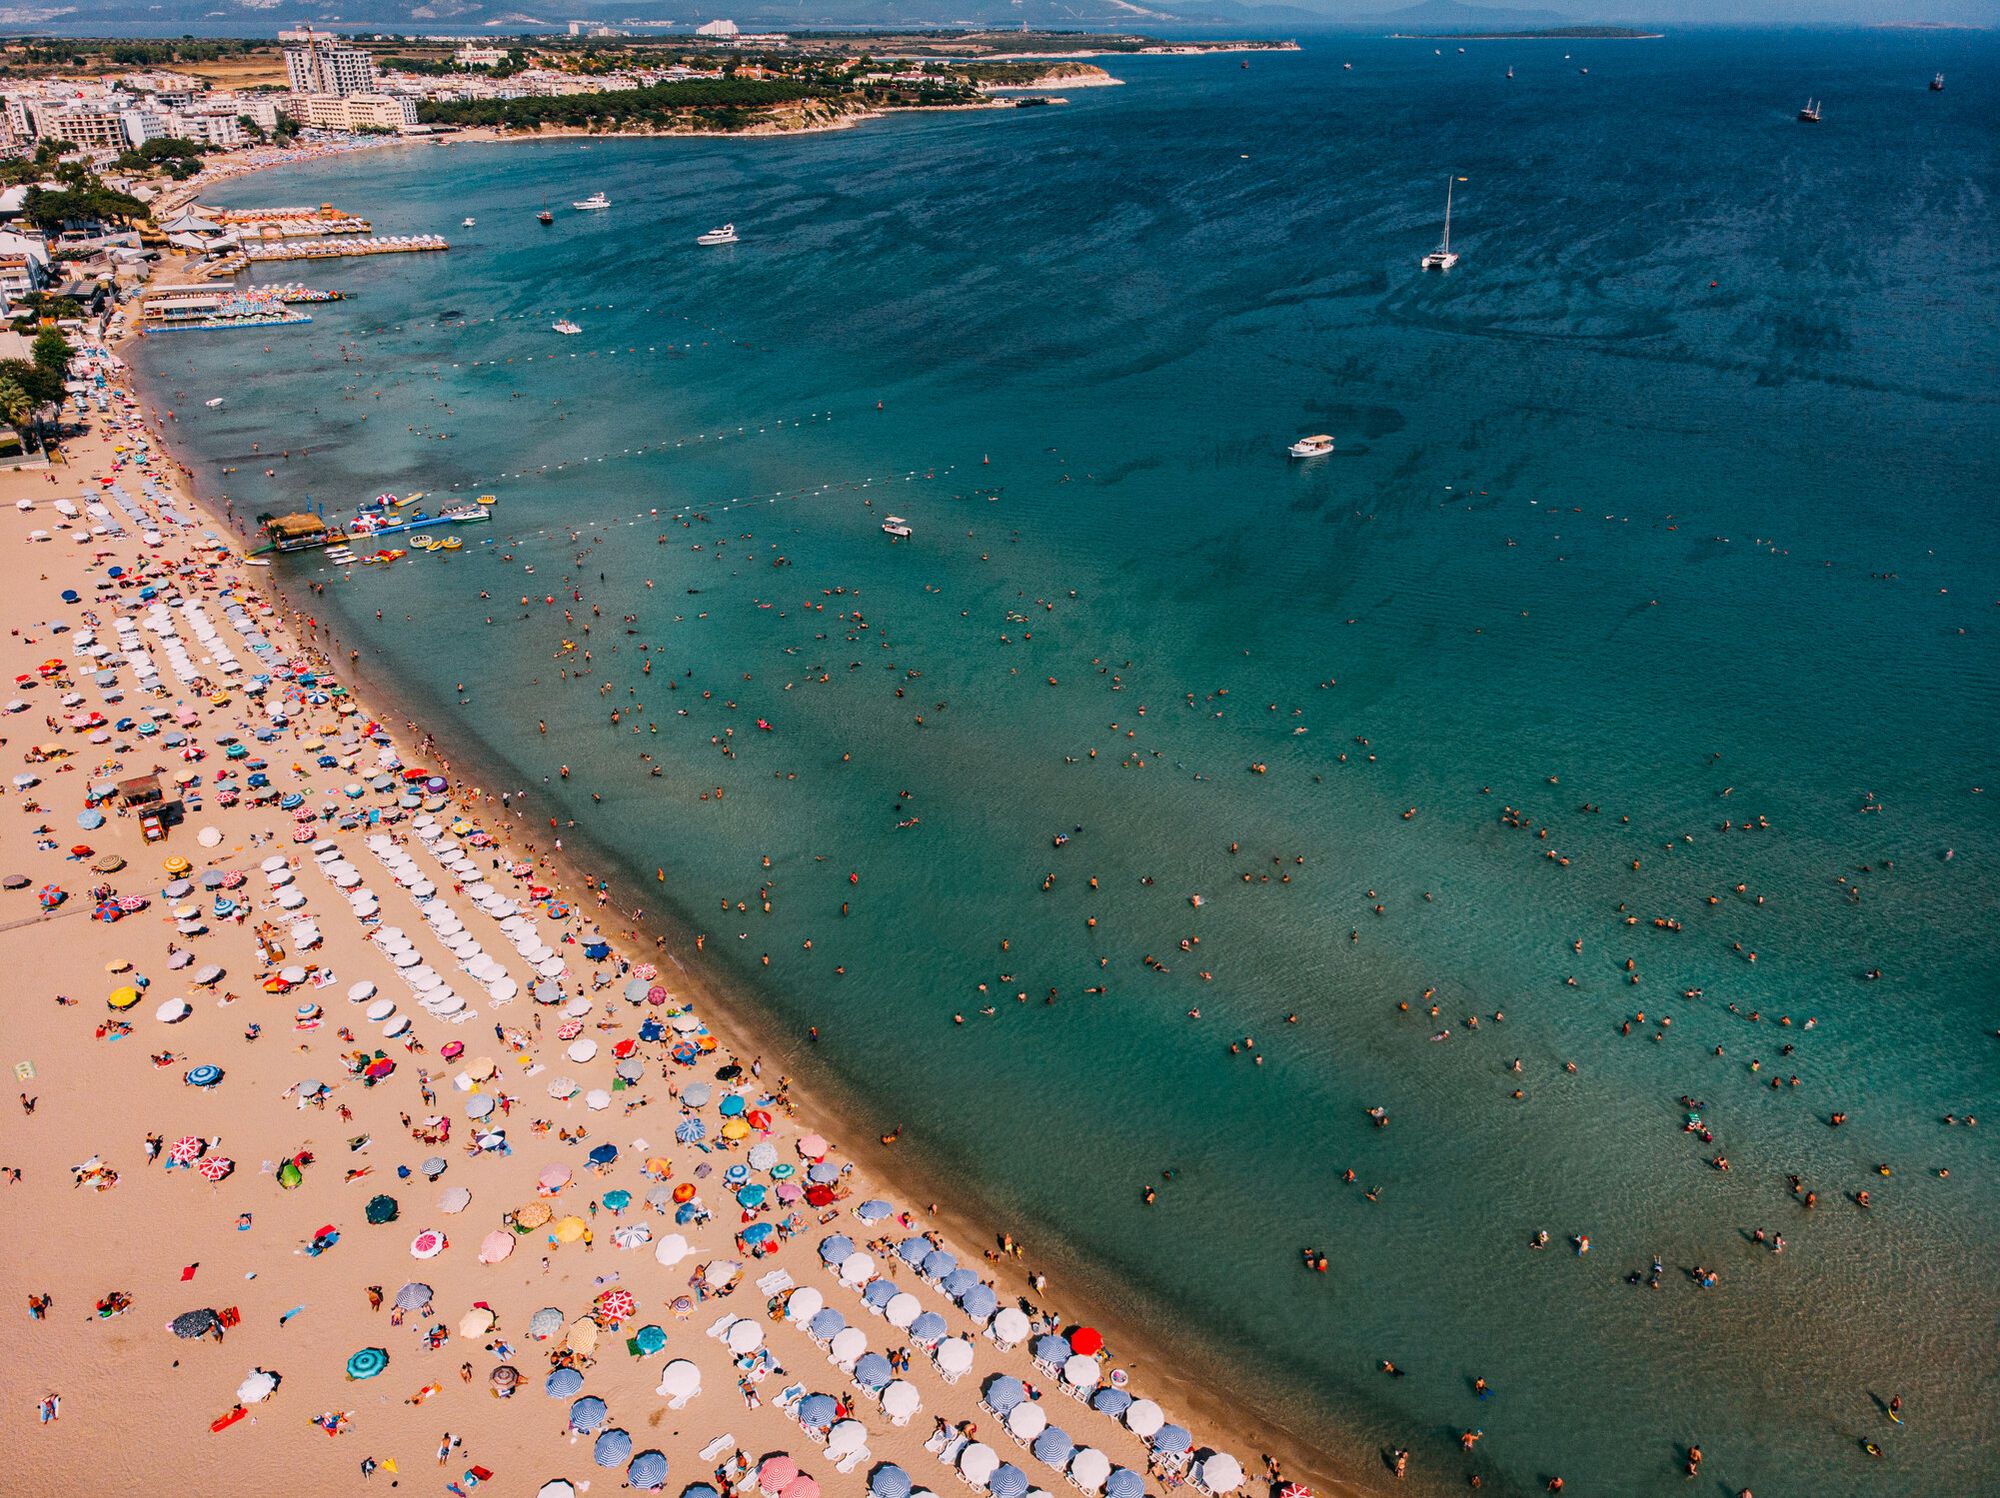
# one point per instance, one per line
(187, 1149)
(615, 1305)
(215, 1167)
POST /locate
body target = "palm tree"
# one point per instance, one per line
(17, 407)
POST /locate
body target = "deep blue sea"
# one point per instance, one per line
(1643, 630)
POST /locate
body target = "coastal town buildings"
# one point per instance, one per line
(320, 64)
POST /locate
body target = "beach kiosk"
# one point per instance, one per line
(144, 797)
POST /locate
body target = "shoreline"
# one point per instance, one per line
(826, 1102)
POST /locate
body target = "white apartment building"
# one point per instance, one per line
(322, 65)
(353, 111)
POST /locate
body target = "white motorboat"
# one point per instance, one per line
(1311, 447)
(212, 404)
(1442, 258)
(470, 222)
(594, 201)
(725, 235)
(896, 525)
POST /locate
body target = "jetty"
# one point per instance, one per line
(175, 309)
(335, 248)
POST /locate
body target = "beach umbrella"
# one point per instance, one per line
(496, 1246)
(680, 1380)
(618, 1200)
(816, 1410)
(1088, 1468)
(878, 1295)
(938, 1263)
(803, 1486)
(826, 1324)
(979, 1302)
(954, 1356)
(1125, 1483)
(505, 1377)
(1080, 1372)
(775, 1472)
(186, 1149)
(556, 1488)
(847, 1345)
(434, 1166)
(846, 1436)
(1295, 1490)
(545, 1323)
(823, 1174)
(1053, 1349)
(872, 1371)
(929, 1327)
(563, 1382)
(648, 1471)
(570, 1229)
(690, 1131)
(455, 1200)
(554, 1178)
(215, 1168)
(650, 1339)
(1110, 1401)
(1003, 1393)
(803, 1304)
(476, 1322)
(1010, 1324)
(857, 1269)
(615, 1305)
(671, 1249)
(603, 1154)
(958, 1282)
(381, 1209)
(836, 1249)
(762, 1156)
(758, 1232)
(428, 1244)
(899, 1308)
(750, 1197)
(413, 1297)
(912, 1250)
(587, 1413)
(258, 1387)
(744, 1336)
(612, 1447)
(193, 1324)
(978, 1461)
(1172, 1440)
(1221, 1472)
(367, 1363)
(901, 1400)
(1026, 1421)
(532, 1214)
(874, 1211)
(1087, 1340)
(1008, 1481)
(699, 1490)
(1054, 1447)
(1143, 1418)
(811, 1146)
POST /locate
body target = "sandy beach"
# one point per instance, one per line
(381, 982)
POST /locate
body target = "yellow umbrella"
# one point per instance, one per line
(735, 1128)
(178, 865)
(481, 1069)
(583, 1336)
(533, 1215)
(570, 1229)
(476, 1322)
(124, 998)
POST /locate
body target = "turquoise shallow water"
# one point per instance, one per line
(1597, 533)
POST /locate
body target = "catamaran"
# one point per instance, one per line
(1442, 258)
(1810, 114)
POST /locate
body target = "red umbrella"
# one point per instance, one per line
(818, 1196)
(625, 1048)
(1087, 1340)
(187, 1149)
(1295, 1490)
(215, 1167)
(616, 1305)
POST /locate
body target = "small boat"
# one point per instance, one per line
(470, 222)
(725, 235)
(590, 204)
(1442, 257)
(896, 525)
(1810, 114)
(487, 499)
(564, 326)
(1510, 70)
(1937, 83)
(545, 217)
(212, 404)
(450, 543)
(1311, 447)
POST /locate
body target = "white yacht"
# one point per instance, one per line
(725, 235)
(564, 326)
(1442, 257)
(1311, 447)
(896, 525)
(594, 201)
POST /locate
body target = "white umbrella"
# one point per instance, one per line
(582, 1050)
(954, 1355)
(744, 1336)
(671, 1249)
(1090, 1467)
(1010, 1325)
(1081, 1372)
(256, 1388)
(1143, 1417)
(679, 1380)
(978, 1463)
(804, 1304)
(901, 1400)
(1221, 1472)
(857, 1269)
(1027, 1420)
(902, 1309)
(846, 1436)
(358, 992)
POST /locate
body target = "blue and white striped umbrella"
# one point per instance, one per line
(612, 1447)
(823, 1174)
(912, 1250)
(888, 1481)
(648, 1471)
(836, 1248)
(1003, 1392)
(879, 1293)
(872, 1371)
(979, 1302)
(938, 1263)
(587, 1413)
(826, 1323)
(954, 1284)
(1008, 1481)
(874, 1211)
(1054, 1446)
(816, 1409)
(690, 1131)
(562, 1383)
(1124, 1483)
(1051, 1349)
(928, 1327)
(1172, 1440)
(1110, 1401)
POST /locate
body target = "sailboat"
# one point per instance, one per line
(1442, 258)
(1937, 83)
(1810, 114)
(545, 217)
(1510, 70)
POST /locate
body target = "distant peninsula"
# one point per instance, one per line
(1536, 34)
